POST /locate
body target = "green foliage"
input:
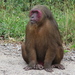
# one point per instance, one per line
(65, 51)
(73, 46)
(12, 24)
(14, 17)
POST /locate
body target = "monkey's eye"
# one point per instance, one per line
(35, 12)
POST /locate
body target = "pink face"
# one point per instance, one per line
(35, 16)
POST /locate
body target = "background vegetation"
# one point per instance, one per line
(14, 17)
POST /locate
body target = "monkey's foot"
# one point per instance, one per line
(49, 69)
(59, 66)
(39, 67)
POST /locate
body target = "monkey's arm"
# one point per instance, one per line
(30, 47)
(32, 58)
(49, 57)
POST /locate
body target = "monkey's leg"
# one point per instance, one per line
(50, 55)
(58, 58)
(32, 59)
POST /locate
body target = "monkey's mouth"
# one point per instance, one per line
(32, 21)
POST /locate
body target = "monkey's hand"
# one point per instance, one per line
(27, 68)
(48, 67)
(31, 65)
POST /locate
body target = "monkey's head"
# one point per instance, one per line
(39, 14)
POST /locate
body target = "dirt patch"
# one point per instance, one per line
(11, 62)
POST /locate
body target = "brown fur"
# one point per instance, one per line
(43, 42)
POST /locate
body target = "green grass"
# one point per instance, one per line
(65, 51)
(12, 24)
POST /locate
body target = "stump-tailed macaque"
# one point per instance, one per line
(42, 48)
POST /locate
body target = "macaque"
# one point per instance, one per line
(42, 48)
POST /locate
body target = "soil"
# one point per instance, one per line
(11, 62)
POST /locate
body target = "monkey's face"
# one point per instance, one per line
(35, 16)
